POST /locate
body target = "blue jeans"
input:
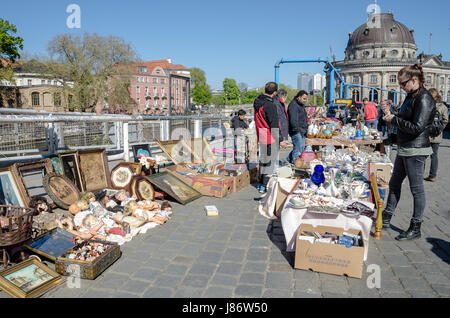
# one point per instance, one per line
(298, 140)
(372, 124)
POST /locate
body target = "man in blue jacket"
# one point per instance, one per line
(298, 124)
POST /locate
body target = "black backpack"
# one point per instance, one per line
(437, 126)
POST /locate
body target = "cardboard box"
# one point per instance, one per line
(207, 184)
(328, 258)
(382, 171)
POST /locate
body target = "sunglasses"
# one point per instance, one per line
(403, 84)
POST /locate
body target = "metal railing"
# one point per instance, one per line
(28, 134)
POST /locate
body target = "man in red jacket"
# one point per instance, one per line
(268, 133)
(370, 113)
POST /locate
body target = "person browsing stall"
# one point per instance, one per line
(298, 124)
(267, 132)
(370, 113)
(279, 101)
(413, 140)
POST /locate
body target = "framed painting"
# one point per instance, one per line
(71, 168)
(94, 169)
(56, 164)
(11, 189)
(143, 149)
(61, 190)
(142, 188)
(29, 279)
(122, 174)
(45, 166)
(174, 187)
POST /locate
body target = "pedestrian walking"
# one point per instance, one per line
(412, 123)
(442, 109)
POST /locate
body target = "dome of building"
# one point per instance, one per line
(381, 28)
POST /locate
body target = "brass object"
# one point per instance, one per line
(379, 205)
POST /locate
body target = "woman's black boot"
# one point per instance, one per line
(412, 233)
(386, 219)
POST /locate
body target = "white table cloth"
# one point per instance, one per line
(291, 218)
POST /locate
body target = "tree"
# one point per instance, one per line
(197, 76)
(93, 69)
(231, 91)
(249, 97)
(201, 94)
(9, 49)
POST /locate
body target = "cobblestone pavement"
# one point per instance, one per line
(242, 254)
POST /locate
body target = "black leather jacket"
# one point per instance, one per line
(413, 120)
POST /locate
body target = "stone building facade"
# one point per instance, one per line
(377, 50)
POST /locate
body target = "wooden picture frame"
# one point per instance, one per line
(94, 169)
(178, 151)
(61, 190)
(142, 188)
(137, 148)
(71, 167)
(12, 189)
(122, 175)
(19, 168)
(174, 187)
(29, 279)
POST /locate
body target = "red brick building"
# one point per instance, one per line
(149, 87)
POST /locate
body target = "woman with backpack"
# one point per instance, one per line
(413, 122)
(443, 111)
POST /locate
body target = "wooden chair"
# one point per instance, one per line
(379, 206)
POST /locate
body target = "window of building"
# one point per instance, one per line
(146, 91)
(163, 81)
(138, 90)
(142, 69)
(138, 101)
(35, 99)
(158, 72)
(448, 82)
(155, 91)
(428, 79)
(373, 79)
(448, 97)
(30, 82)
(42, 82)
(393, 79)
(154, 80)
(355, 79)
(442, 80)
(137, 79)
(47, 99)
(162, 92)
(57, 99)
(154, 102)
(178, 101)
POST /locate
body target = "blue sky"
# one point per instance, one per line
(235, 39)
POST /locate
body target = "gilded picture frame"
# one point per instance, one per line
(94, 169)
(29, 279)
(142, 188)
(61, 190)
(174, 187)
(122, 175)
(12, 189)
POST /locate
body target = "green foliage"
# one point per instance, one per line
(231, 91)
(9, 48)
(201, 94)
(9, 44)
(249, 97)
(197, 76)
(218, 100)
